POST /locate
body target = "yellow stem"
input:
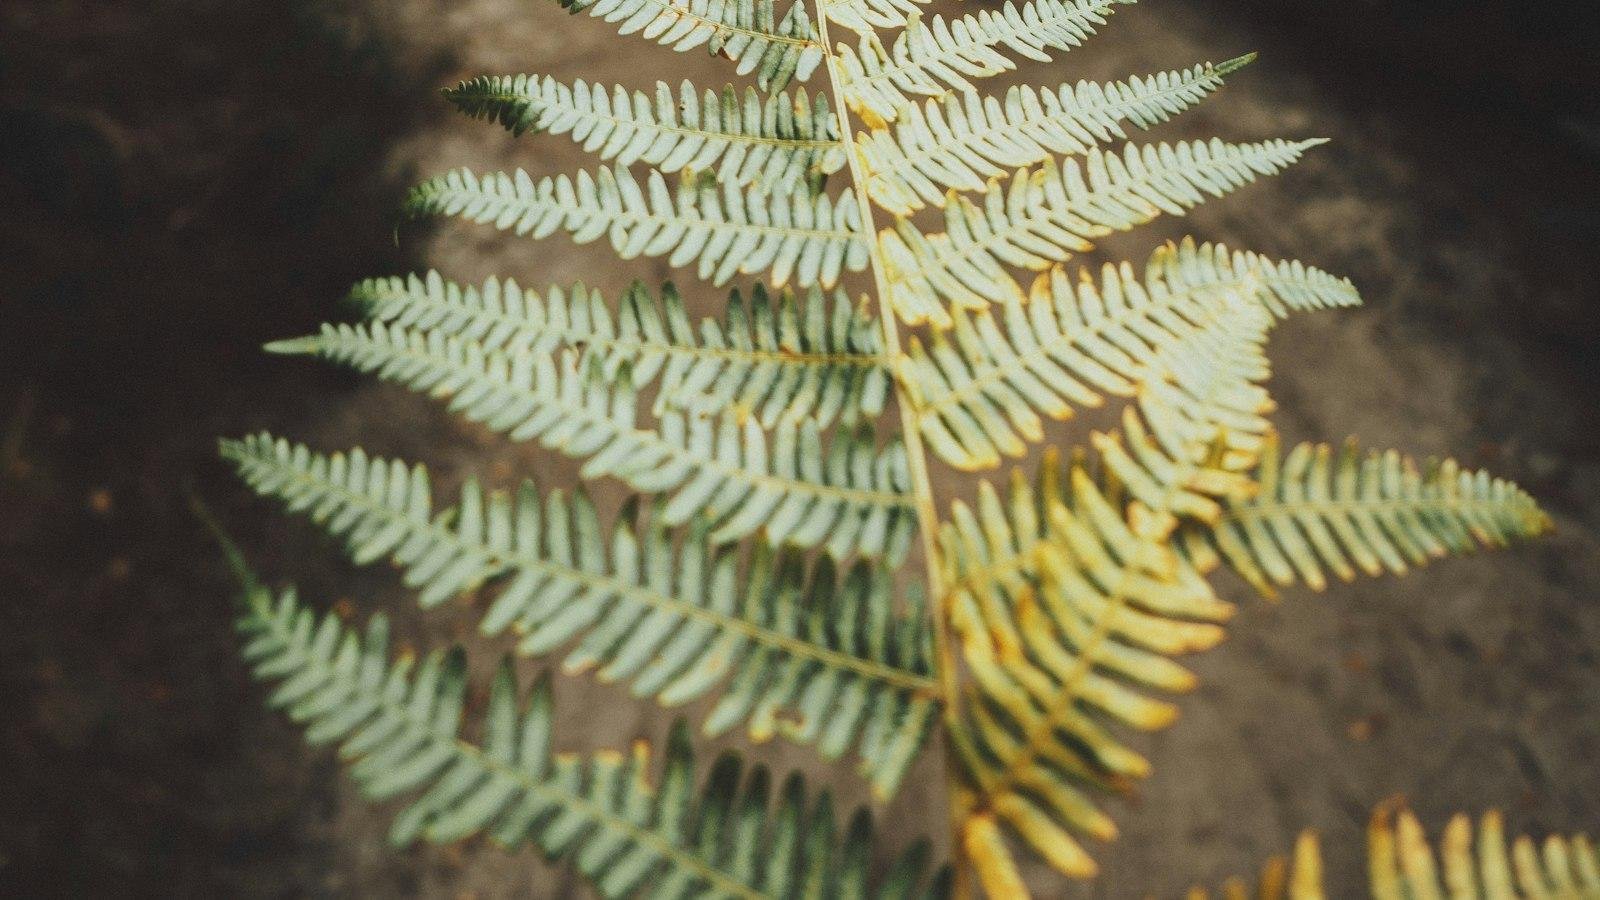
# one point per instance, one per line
(921, 485)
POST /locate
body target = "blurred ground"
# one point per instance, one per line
(180, 181)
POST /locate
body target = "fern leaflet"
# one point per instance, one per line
(1067, 599)
(723, 229)
(814, 657)
(862, 16)
(957, 144)
(1402, 864)
(785, 357)
(846, 493)
(1042, 217)
(981, 387)
(776, 144)
(399, 725)
(930, 58)
(1066, 611)
(748, 32)
(1317, 511)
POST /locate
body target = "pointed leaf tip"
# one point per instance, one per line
(299, 346)
(1235, 64)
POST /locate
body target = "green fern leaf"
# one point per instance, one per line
(816, 658)
(1352, 512)
(957, 144)
(748, 32)
(787, 358)
(1042, 217)
(721, 228)
(399, 725)
(775, 145)
(845, 493)
(981, 388)
(933, 58)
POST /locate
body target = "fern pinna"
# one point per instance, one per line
(781, 454)
(1401, 863)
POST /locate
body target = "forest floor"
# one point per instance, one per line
(182, 181)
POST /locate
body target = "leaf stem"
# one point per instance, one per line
(921, 484)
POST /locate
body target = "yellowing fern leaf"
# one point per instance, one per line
(1067, 610)
(1403, 865)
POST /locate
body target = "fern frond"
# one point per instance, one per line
(1352, 512)
(932, 58)
(753, 568)
(1068, 612)
(787, 357)
(1402, 864)
(775, 145)
(399, 725)
(980, 390)
(1043, 216)
(844, 493)
(723, 229)
(814, 657)
(863, 16)
(1280, 879)
(959, 143)
(748, 32)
